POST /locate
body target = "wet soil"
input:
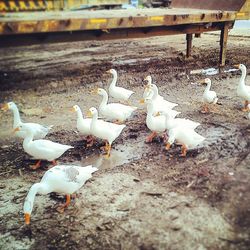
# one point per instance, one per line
(143, 197)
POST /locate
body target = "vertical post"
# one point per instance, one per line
(223, 43)
(189, 44)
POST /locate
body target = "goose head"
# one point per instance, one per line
(24, 127)
(240, 66)
(148, 79)
(112, 71)
(75, 108)
(101, 91)
(7, 106)
(92, 111)
(206, 81)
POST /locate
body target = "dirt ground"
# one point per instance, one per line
(143, 197)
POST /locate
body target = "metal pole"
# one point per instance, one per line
(223, 43)
(189, 44)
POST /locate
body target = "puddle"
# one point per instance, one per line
(130, 61)
(122, 154)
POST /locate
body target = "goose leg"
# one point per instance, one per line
(165, 137)
(246, 109)
(183, 150)
(54, 162)
(61, 208)
(151, 137)
(36, 166)
(205, 109)
(90, 141)
(168, 145)
(106, 147)
(119, 122)
(108, 151)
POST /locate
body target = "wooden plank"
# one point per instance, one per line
(40, 38)
(223, 43)
(107, 20)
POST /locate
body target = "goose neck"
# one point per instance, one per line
(29, 200)
(114, 80)
(17, 119)
(104, 101)
(243, 76)
(28, 139)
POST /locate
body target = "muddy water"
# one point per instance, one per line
(122, 154)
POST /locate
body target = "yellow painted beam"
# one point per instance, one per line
(244, 12)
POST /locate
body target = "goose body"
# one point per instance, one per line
(153, 108)
(104, 130)
(156, 98)
(114, 111)
(63, 179)
(155, 123)
(118, 92)
(209, 96)
(41, 149)
(40, 131)
(171, 122)
(83, 124)
(186, 136)
(243, 90)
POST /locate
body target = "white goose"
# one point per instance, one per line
(155, 123)
(114, 111)
(186, 136)
(243, 90)
(148, 92)
(153, 93)
(154, 108)
(209, 96)
(64, 179)
(83, 124)
(40, 131)
(104, 130)
(119, 93)
(41, 149)
(171, 122)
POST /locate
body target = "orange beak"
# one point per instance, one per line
(72, 109)
(168, 145)
(237, 66)
(16, 129)
(157, 114)
(27, 218)
(142, 101)
(108, 71)
(94, 91)
(202, 81)
(5, 107)
(89, 114)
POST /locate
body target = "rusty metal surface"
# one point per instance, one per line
(41, 5)
(244, 12)
(107, 20)
(40, 38)
(232, 5)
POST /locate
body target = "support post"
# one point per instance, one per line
(189, 44)
(223, 43)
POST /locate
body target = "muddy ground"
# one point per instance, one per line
(143, 197)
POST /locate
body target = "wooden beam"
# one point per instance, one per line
(223, 43)
(51, 21)
(189, 38)
(54, 37)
